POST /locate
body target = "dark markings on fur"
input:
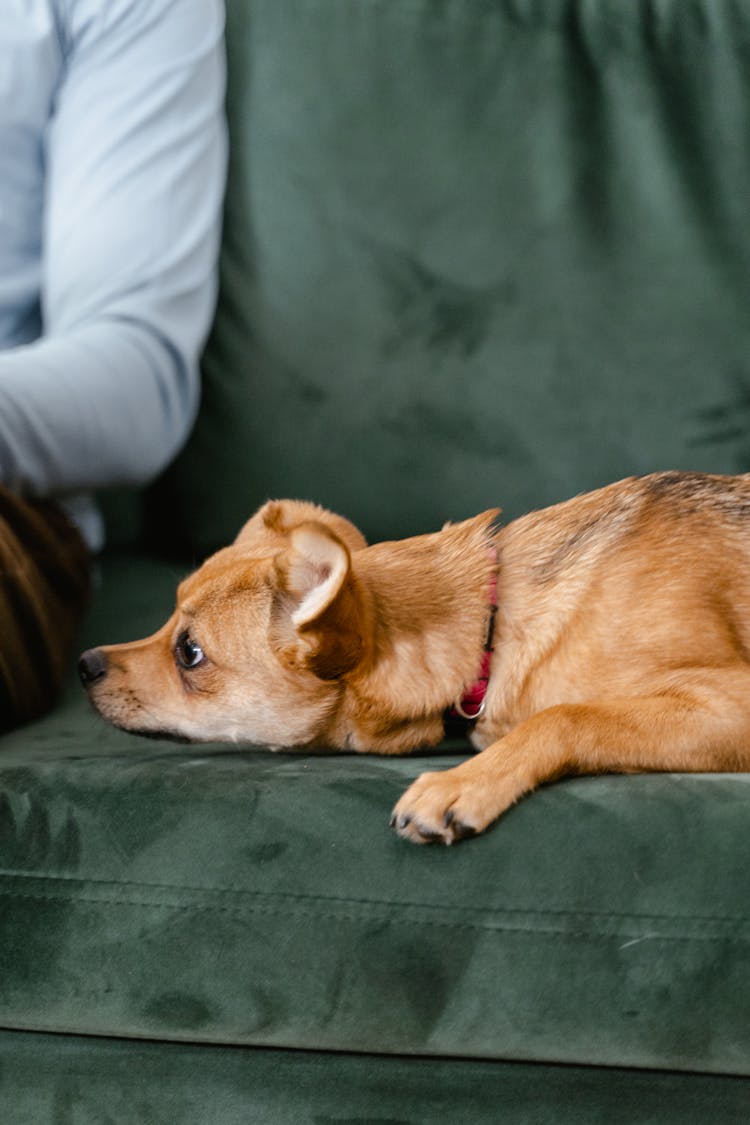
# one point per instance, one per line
(693, 492)
(565, 553)
(683, 493)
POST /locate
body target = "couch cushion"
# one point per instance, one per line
(238, 896)
(51, 1079)
(475, 253)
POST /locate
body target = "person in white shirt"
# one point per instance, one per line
(112, 170)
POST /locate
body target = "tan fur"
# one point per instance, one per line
(621, 643)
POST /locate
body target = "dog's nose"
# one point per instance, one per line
(92, 666)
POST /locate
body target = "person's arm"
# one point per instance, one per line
(135, 163)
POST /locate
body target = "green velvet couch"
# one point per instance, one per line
(476, 252)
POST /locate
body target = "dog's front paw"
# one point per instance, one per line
(445, 807)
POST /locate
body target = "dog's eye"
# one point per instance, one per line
(188, 653)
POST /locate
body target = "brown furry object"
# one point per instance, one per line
(621, 643)
(44, 589)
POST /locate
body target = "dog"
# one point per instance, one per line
(608, 633)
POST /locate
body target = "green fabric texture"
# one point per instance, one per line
(475, 253)
(240, 896)
(51, 1080)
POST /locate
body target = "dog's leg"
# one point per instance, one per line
(700, 722)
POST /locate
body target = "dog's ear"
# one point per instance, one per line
(316, 617)
(277, 518)
(265, 526)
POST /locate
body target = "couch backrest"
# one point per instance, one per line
(476, 252)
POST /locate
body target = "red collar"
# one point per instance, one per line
(471, 705)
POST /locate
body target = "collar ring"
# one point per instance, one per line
(470, 718)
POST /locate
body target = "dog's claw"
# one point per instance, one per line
(460, 830)
(418, 833)
(463, 831)
(433, 837)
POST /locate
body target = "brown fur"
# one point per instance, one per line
(622, 643)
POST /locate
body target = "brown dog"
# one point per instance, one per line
(621, 643)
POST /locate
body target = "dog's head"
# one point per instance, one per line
(257, 645)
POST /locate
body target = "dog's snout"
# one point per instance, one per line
(92, 666)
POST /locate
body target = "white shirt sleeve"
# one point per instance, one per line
(135, 158)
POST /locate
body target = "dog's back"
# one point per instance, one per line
(606, 594)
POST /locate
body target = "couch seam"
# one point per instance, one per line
(250, 908)
(297, 896)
